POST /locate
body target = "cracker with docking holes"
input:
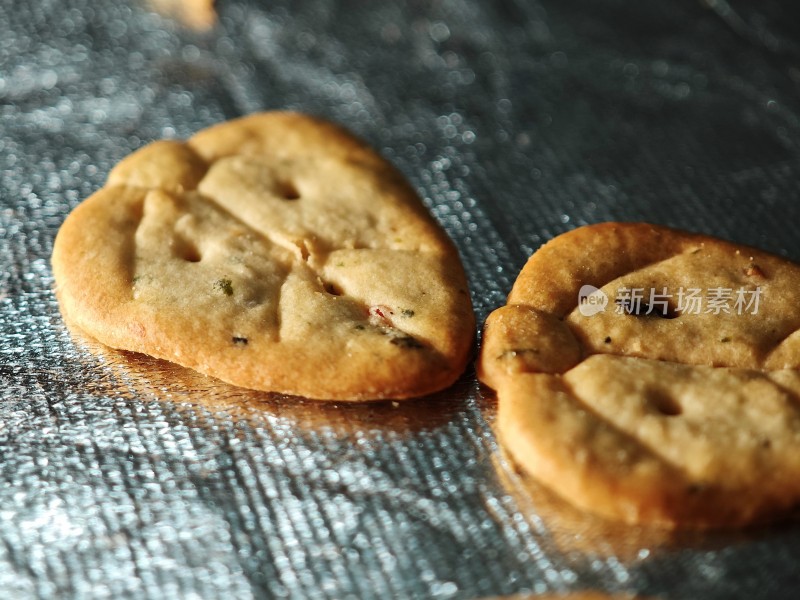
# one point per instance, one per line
(650, 375)
(275, 252)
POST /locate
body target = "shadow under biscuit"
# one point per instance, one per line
(575, 531)
(147, 379)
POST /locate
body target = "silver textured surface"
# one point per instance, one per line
(123, 477)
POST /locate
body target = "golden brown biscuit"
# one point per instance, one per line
(275, 252)
(195, 14)
(666, 392)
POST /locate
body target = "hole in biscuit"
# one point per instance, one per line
(332, 289)
(287, 190)
(186, 250)
(664, 404)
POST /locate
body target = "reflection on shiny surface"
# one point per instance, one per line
(150, 378)
(576, 531)
(123, 477)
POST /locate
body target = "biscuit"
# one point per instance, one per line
(649, 408)
(198, 15)
(275, 252)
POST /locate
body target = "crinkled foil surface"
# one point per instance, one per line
(516, 120)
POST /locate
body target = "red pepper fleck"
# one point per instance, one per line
(384, 312)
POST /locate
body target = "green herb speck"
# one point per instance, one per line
(407, 312)
(225, 286)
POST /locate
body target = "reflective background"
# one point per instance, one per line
(125, 477)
